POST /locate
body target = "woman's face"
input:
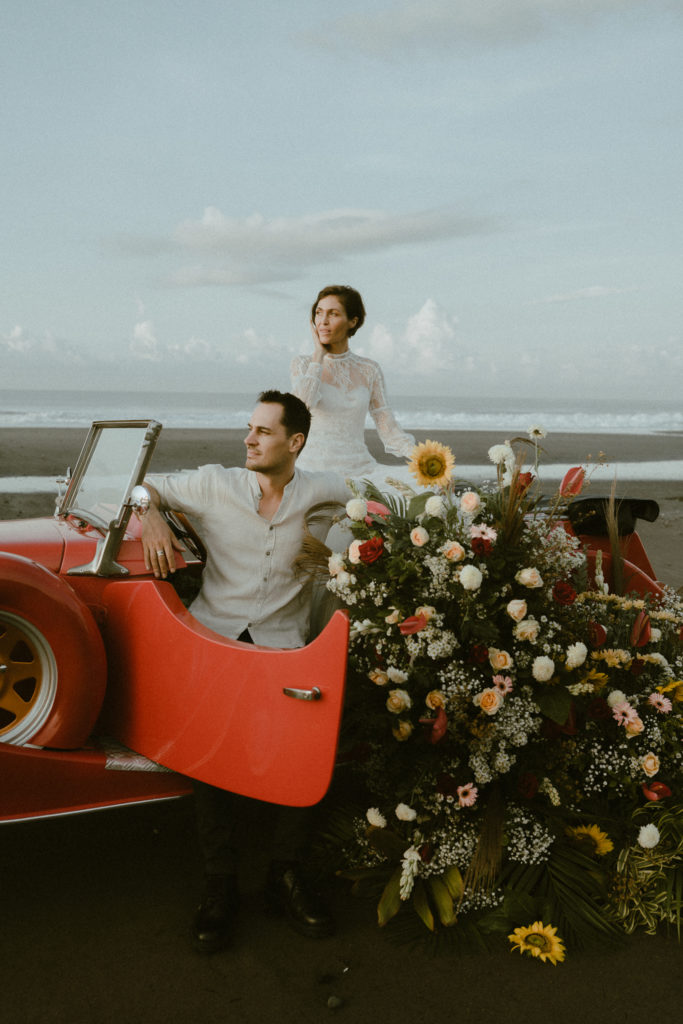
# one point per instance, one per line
(332, 323)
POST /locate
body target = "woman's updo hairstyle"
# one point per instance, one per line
(350, 300)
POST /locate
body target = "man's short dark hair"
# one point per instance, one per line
(296, 417)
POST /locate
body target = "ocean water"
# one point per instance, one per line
(221, 411)
(511, 416)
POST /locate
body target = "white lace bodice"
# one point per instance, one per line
(340, 392)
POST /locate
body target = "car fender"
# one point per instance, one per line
(68, 648)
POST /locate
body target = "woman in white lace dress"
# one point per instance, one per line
(340, 388)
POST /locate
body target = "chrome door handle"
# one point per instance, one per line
(314, 694)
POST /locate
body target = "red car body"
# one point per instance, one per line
(112, 692)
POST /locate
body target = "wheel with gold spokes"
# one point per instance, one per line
(28, 679)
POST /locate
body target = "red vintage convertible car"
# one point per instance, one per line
(111, 692)
(100, 663)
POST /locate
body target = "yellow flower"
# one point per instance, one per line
(431, 464)
(538, 939)
(592, 839)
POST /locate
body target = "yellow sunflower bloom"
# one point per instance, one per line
(539, 940)
(431, 464)
(591, 839)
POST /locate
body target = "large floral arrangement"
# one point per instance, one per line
(514, 724)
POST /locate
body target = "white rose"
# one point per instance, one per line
(527, 629)
(419, 536)
(405, 813)
(396, 675)
(470, 577)
(470, 502)
(529, 577)
(648, 837)
(354, 551)
(617, 697)
(516, 610)
(543, 668)
(650, 764)
(335, 563)
(356, 509)
(344, 578)
(435, 505)
(427, 610)
(375, 817)
(499, 660)
(576, 654)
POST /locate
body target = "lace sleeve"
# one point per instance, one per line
(395, 440)
(305, 378)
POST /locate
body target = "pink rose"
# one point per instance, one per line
(470, 502)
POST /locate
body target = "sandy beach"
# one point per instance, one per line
(34, 451)
(96, 909)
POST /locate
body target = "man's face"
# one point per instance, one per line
(269, 449)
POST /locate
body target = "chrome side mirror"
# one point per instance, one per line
(140, 500)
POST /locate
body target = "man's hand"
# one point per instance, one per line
(159, 543)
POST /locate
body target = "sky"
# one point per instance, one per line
(500, 179)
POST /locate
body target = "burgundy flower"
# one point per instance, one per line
(527, 785)
(446, 784)
(637, 666)
(599, 710)
(481, 546)
(426, 852)
(370, 550)
(656, 790)
(564, 593)
(479, 654)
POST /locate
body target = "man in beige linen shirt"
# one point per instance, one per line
(251, 521)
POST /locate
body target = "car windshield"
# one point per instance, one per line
(113, 460)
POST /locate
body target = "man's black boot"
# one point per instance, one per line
(288, 893)
(214, 921)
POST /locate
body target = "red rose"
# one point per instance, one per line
(597, 634)
(641, 631)
(599, 710)
(413, 624)
(656, 790)
(564, 593)
(370, 550)
(524, 482)
(482, 546)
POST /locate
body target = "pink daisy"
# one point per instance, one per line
(503, 684)
(660, 702)
(467, 794)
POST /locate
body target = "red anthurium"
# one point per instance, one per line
(524, 482)
(413, 624)
(370, 550)
(656, 790)
(641, 630)
(597, 634)
(572, 482)
(376, 508)
(439, 725)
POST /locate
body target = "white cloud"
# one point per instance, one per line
(255, 249)
(425, 347)
(448, 24)
(144, 344)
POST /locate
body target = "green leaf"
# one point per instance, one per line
(387, 843)
(443, 901)
(555, 703)
(421, 905)
(390, 900)
(417, 504)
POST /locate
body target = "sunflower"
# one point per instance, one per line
(431, 464)
(538, 939)
(591, 839)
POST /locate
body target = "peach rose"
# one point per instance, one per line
(378, 677)
(489, 700)
(398, 701)
(516, 610)
(527, 629)
(633, 727)
(500, 661)
(650, 764)
(402, 730)
(419, 536)
(453, 551)
(529, 577)
(354, 551)
(435, 699)
(393, 617)
(470, 502)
